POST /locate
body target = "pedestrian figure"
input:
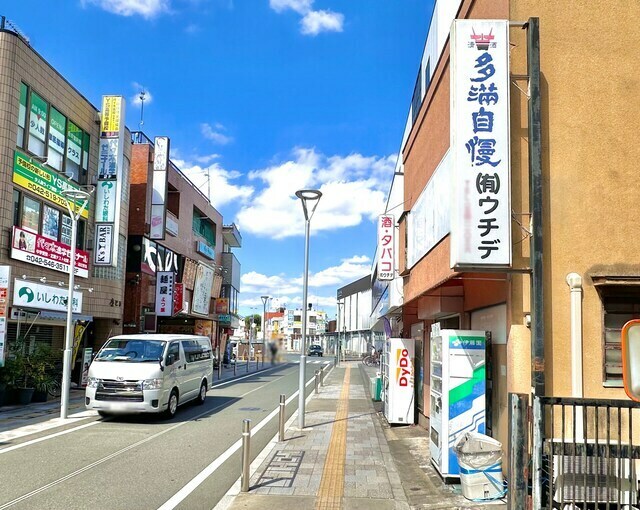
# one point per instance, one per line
(274, 352)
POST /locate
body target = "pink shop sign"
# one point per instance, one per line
(40, 251)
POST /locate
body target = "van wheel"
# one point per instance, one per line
(172, 406)
(202, 396)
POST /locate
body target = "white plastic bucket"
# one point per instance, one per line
(480, 460)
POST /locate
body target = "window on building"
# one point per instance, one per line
(51, 223)
(74, 151)
(31, 215)
(39, 217)
(173, 200)
(620, 305)
(57, 128)
(427, 76)
(86, 144)
(204, 227)
(416, 100)
(22, 115)
(37, 124)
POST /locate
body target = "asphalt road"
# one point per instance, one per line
(147, 462)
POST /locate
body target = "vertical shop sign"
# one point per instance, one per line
(178, 298)
(86, 361)
(5, 275)
(111, 181)
(480, 143)
(386, 250)
(164, 293)
(202, 290)
(159, 185)
(38, 117)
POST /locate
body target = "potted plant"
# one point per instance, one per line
(30, 369)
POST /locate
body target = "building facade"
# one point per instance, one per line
(50, 143)
(588, 153)
(175, 282)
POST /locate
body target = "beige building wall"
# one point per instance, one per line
(19, 62)
(590, 124)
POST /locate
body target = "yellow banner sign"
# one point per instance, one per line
(110, 120)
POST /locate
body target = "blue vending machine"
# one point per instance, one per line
(458, 393)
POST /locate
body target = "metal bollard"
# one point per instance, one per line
(322, 376)
(317, 379)
(235, 365)
(248, 359)
(219, 365)
(282, 417)
(246, 454)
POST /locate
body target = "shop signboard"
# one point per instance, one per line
(38, 117)
(178, 298)
(159, 187)
(86, 361)
(111, 180)
(104, 242)
(106, 201)
(172, 225)
(40, 251)
(108, 159)
(189, 273)
(205, 250)
(28, 294)
(111, 117)
(74, 143)
(222, 305)
(202, 290)
(5, 275)
(480, 143)
(386, 250)
(224, 318)
(156, 257)
(164, 293)
(43, 182)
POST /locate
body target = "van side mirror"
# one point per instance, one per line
(630, 339)
(171, 359)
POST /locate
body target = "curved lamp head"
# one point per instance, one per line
(264, 300)
(309, 195)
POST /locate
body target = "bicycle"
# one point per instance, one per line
(372, 360)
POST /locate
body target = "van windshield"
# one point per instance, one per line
(132, 350)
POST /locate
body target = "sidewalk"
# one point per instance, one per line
(348, 457)
(17, 420)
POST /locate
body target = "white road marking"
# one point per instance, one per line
(126, 449)
(182, 494)
(58, 422)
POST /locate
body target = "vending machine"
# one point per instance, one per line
(398, 375)
(458, 389)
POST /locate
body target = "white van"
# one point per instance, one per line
(149, 374)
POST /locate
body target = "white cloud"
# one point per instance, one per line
(315, 22)
(312, 22)
(145, 8)
(287, 291)
(223, 190)
(206, 159)
(192, 28)
(136, 100)
(300, 6)
(354, 189)
(215, 133)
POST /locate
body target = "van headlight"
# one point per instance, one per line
(152, 384)
(92, 382)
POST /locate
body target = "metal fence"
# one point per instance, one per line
(585, 453)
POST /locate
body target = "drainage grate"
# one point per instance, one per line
(282, 469)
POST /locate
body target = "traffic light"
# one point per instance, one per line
(630, 338)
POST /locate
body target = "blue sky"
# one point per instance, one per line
(267, 97)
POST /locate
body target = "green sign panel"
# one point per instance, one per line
(43, 182)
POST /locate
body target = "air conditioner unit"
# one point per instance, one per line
(590, 479)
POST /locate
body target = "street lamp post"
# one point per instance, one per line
(72, 197)
(265, 299)
(339, 343)
(308, 197)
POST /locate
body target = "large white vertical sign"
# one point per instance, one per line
(159, 184)
(110, 181)
(5, 274)
(386, 242)
(480, 143)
